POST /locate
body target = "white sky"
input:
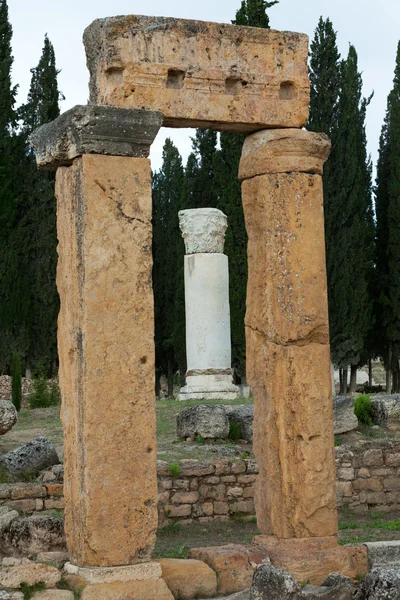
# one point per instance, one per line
(373, 28)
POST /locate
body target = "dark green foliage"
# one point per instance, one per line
(16, 381)
(388, 228)
(351, 227)
(44, 392)
(338, 109)
(254, 13)
(28, 298)
(363, 410)
(174, 470)
(234, 431)
(30, 590)
(167, 191)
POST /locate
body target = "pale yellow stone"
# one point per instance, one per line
(97, 575)
(288, 356)
(200, 74)
(106, 349)
(283, 151)
(54, 595)
(12, 577)
(135, 590)
(231, 563)
(189, 579)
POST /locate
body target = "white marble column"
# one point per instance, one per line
(208, 328)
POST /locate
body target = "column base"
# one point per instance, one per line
(311, 559)
(209, 385)
(142, 581)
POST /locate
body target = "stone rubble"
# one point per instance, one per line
(32, 457)
(343, 414)
(8, 416)
(207, 421)
(380, 584)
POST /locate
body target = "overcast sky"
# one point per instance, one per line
(373, 28)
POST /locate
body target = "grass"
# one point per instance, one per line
(175, 540)
(372, 527)
(29, 591)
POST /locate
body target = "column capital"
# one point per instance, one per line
(283, 151)
(95, 130)
(203, 230)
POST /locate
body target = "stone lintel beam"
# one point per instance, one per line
(284, 151)
(95, 130)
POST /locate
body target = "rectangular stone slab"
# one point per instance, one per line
(106, 349)
(200, 74)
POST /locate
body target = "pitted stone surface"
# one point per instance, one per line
(132, 590)
(271, 583)
(384, 554)
(33, 457)
(386, 411)
(106, 349)
(8, 416)
(380, 584)
(335, 587)
(200, 74)
(207, 421)
(27, 536)
(243, 416)
(13, 577)
(95, 130)
(343, 414)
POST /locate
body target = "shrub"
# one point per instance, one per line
(234, 431)
(200, 440)
(16, 381)
(174, 470)
(44, 393)
(363, 410)
(29, 591)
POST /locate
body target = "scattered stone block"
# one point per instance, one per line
(386, 411)
(53, 595)
(28, 536)
(380, 584)
(57, 559)
(383, 554)
(335, 587)
(243, 416)
(200, 74)
(231, 563)
(189, 579)
(6, 516)
(207, 421)
(98, 575)
(5, 595)
(271, 583)
(343, 414)
(143, 590)
(8, 416)
(33, 457)
(12, 577)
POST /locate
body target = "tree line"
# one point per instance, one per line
(361, 217)
(29, 301)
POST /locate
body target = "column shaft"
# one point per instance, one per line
(106, 350)
(287, 333)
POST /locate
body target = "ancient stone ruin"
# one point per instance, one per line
(146, 72)
(208, 328)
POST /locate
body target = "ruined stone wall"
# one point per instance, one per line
(368, 478)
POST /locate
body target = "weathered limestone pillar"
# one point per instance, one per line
(106, 338)
(287, 334)
(208, 327)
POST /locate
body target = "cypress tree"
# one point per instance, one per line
(253, 13)
(351, 226)
(13, 301)
(202, 171)
(36, 228)
(167, 190)
(388, 232)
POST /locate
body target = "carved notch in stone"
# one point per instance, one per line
(203, 230)
(95, 130)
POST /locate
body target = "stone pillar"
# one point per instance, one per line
(208, 327)
(287, 336)
(106, 337)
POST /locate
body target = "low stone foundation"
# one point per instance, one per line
(368, 478)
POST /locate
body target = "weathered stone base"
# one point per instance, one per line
(209, 386)
(100, 575)
(312, 559)
(132, 590)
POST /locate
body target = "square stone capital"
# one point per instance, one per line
(95, 130)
